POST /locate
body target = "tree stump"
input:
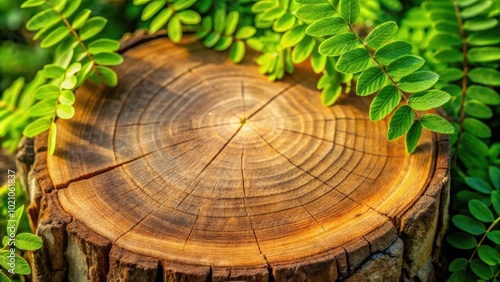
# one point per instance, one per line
(197, 169)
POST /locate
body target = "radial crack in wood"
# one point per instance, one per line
(202, 169)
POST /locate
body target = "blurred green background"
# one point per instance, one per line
(21, 56)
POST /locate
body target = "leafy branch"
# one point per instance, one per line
(76, 60)
(393, 64)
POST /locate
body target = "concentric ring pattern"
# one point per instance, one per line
(198, 161)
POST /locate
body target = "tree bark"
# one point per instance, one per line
(196, 169)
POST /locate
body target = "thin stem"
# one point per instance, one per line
(77, 37)
(401, 92)
(484, 237)
(464, 78)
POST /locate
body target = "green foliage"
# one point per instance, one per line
(467, 57)
(17, 228)
(70, 30)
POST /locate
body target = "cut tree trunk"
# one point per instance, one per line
(197, 169)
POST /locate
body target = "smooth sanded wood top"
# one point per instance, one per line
(197, 161)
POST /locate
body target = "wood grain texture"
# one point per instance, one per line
(163, 167)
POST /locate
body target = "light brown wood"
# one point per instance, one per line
(194, 168)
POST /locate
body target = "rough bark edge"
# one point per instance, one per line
(436, 197)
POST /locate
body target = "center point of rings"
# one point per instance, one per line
(243, 120)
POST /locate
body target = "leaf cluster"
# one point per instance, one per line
(70, 30)
(465, 49)
(23, 241)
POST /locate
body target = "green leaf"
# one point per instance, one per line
(413, 136)
(391, 51)
(486, 76)
(272, 14)
(437, 124)
(284, 23)
(488, 255)
(72, 7)
(315, 12)
(443, 40)
(47, 92)
(381, 34)
(476, 127)
(32, 3)
(237, 51)
(82, 75)
(350, 10)
(108, 75)
(481, 269)
(384, 103)
(211, 39)
(189, 17)
(293, 36)
(67, 97)
(477, 109)
(484, 94)
(55, 37)
(339, 44)
(43, 109)
(461, 240)
(152, 8)
(330, 94)
(447, 55)
(480, 211)
(480, 24)
(65, 111)
(430, 99)
(261, 6)
(245, 32)
(303, 50)
(43, 19)
(494, 236)
(108, 59)
(175, 29)
(219, 19)
(475, 10)
(69, 82)
(495, 199)
(53, 71)
(370, 81)
(318, 61)
(160, 20)
(22, 266)
(81, 18)
(224, 43)
(354, 61)
(326, 26)
(469, 224)
(37, 127)
(418, 81)
(231, 22)
(483, 38)
(451, 74)
(182, 4)
(458, 264)
(103, 45)
(400, 123)
(404, 65)
(479, 184)
(3, 277)
(484, 54)
(28, 241)
(51, 144)
(92, 27)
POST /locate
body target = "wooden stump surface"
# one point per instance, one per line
(209, 170)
